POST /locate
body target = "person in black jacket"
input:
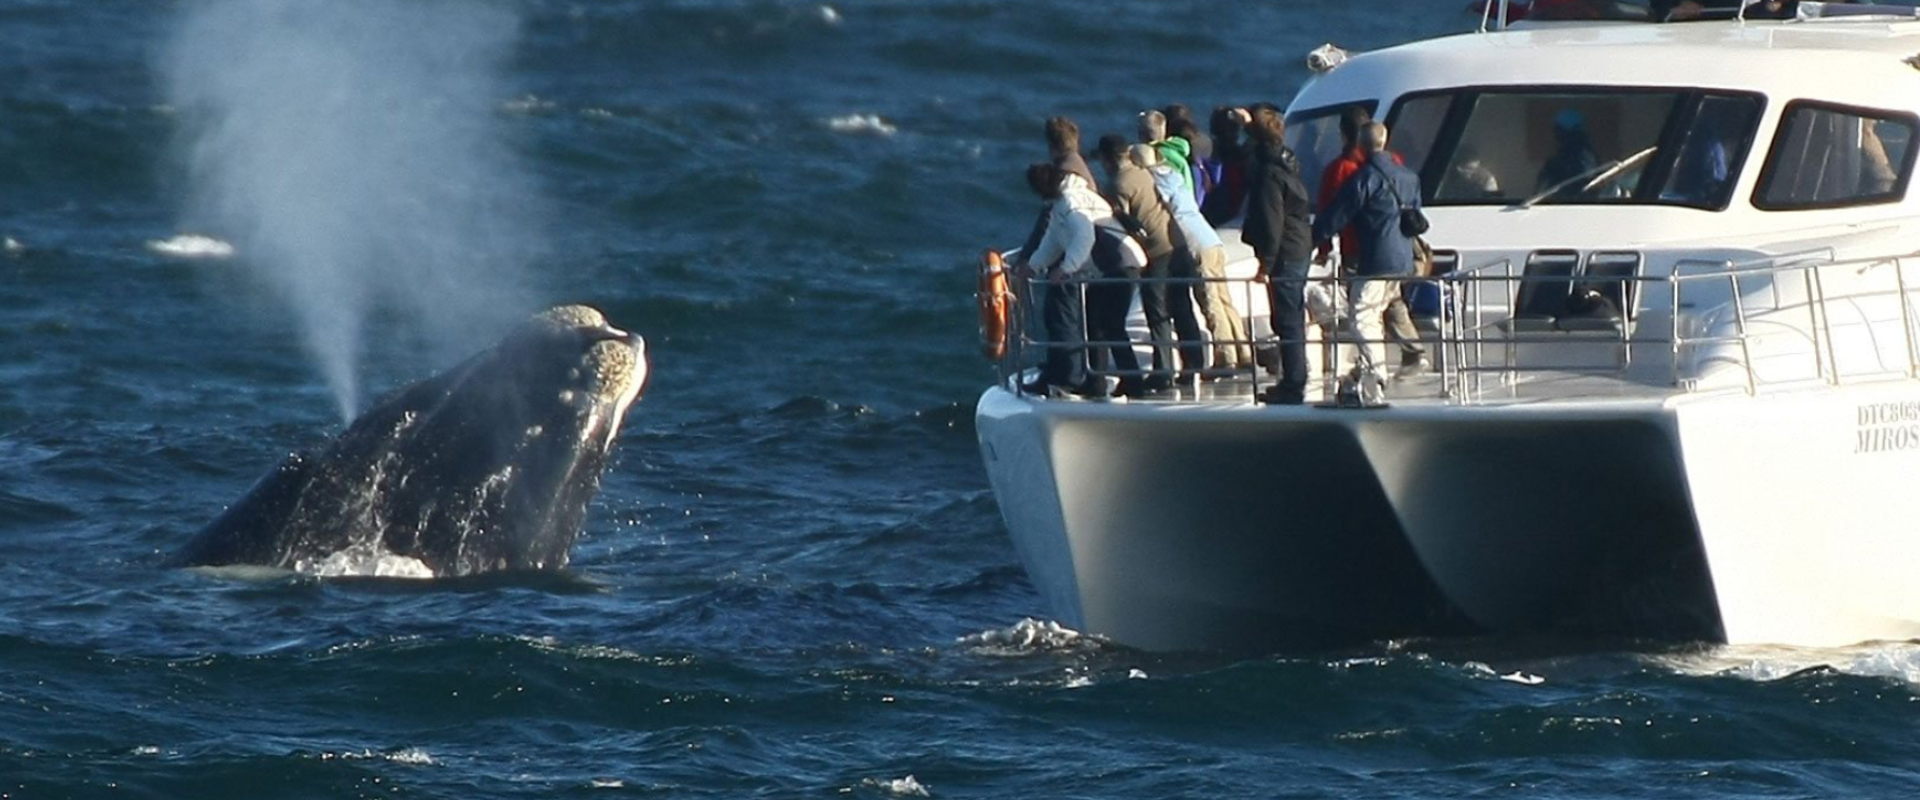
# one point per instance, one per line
(1277, 229)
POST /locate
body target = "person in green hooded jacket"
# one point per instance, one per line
(1175, 152)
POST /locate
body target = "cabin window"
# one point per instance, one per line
(1523, 146)
(1416, 124)
(1830, 156)
(1314, 138)
(1711, 150)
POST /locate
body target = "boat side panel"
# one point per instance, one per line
(1569, 522)
(1260, 531)
(1015, 447)
(1809, 510)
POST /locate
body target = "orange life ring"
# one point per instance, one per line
(993, 297)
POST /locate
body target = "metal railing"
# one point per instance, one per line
(1473, 338)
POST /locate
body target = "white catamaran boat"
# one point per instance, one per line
(1728, 450)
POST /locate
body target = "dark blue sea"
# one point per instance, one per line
(228, 225)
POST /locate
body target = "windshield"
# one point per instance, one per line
(1525, 147)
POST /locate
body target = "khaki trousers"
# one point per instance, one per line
(1223, 319)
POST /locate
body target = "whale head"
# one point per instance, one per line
(487, 466)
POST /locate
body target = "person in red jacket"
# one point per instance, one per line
(1413, 356)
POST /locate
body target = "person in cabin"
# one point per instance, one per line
(1413, 355)
(1372, 201)
(1687, 10)
(1229, 191)
(1573, 157)
(1206, 252)
(1063, 256)
(1137, 204)
(1173, 150)
(1276, 227)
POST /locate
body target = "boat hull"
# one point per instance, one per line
(1679, 517)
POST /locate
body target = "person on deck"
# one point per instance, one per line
(1276, 228)
(1231, 350)
(1175, 151)
(1201, 166)
(1063, 151)
(1371, 201)
(1064, 257)
(1413, 356)
(1137, 204)
(1229, 191)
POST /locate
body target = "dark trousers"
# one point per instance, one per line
(1107, 305)
(1169, 311)
(1287, 289)
(1061, 313)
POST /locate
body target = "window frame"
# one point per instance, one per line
(1371, 104)
(1687, 106)
(1780, 129)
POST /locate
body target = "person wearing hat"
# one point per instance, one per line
(1573, 156)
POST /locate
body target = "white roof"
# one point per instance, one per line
(1847, 60)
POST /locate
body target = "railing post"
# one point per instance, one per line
(1740, 325)
(1673, 323)
(1906, 315)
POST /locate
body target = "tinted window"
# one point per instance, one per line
(1544, 147)
(1526, 146)
(1414, 127)
(1825, 157)
(1314, 137)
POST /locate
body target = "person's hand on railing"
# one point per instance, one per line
(1057, 276)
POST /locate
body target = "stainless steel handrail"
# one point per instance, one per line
(1466, 326)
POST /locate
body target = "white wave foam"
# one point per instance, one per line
(528, 104)
(191, 246)
(1029, 636)
(413, 756)
(12, 246)
(364, 561)
(868, 124)
(829, 15)
(899, 787)
(1772, 662)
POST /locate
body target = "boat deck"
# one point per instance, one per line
(1425, 389)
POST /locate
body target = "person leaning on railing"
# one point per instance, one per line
(1372, 201)
(1064, 255)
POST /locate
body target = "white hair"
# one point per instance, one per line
(1373, 137)
(1143, 155)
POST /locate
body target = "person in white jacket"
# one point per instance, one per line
(1064, 256)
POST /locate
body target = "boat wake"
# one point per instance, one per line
(1900, 660)
(1030, 637)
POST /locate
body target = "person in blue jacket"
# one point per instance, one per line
(1371, 202)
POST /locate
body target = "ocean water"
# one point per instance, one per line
(794, 582)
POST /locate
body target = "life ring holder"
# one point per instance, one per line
(994, 299)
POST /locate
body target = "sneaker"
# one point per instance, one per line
(1412, 365)
(1093, 388)
(1036, 388)
(1373, 391)
(1057, 392)
(1159, 382)
(1130, 389)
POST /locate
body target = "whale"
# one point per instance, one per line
(486, 467)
